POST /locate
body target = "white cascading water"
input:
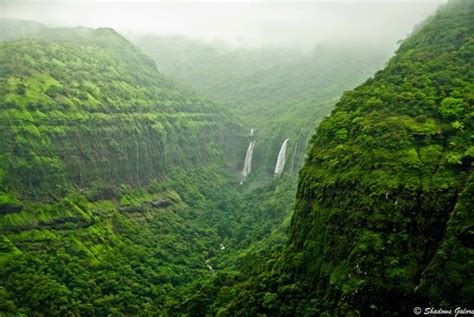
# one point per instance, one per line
(248, 160)
(280, 165)
(252, 131)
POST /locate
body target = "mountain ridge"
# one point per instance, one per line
(124, 85)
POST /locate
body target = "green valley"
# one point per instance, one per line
(383, 215)
(278, 93)
(146, 174)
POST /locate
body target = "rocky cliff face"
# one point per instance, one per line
(383, 217)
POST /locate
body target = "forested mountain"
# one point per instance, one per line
(119, 182)
(383, 216)
(208, 66)
(282, 94)
(383, 219)
(70, 86)
(115, 184)
(119, 188)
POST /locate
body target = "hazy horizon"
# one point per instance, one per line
(244, 24)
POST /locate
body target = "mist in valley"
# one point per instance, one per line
(255, 158)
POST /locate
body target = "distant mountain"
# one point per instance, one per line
(246, 78)
(208, 65)
(14, 29)
(281, 93)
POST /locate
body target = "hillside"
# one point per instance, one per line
(280, 93)
(91, 97)
(383, 217)
(115, 184)
(123, 190)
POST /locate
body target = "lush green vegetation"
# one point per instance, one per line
(131, 255)
(117, 186)
(383, 219)
(115, 183)
(282, 94)
(86, 107)
(120, 195)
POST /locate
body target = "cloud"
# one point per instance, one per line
(247, 23)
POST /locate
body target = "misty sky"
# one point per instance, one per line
(246, 23)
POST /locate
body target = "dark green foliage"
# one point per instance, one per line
(118, 188)
(381, 220)
(97, 258)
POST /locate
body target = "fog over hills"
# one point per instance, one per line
(236, 158)
(243, 23)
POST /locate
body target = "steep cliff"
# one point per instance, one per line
(83, 107)
(383, 219)
(116, 186)
(281, 93)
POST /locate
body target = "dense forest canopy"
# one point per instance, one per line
(403, 142)
(383, 215)
(148, 174)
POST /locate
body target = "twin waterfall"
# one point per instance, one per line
(281, 159)
(280, 164)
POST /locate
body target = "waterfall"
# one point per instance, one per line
(248, 160)
(281, 158)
